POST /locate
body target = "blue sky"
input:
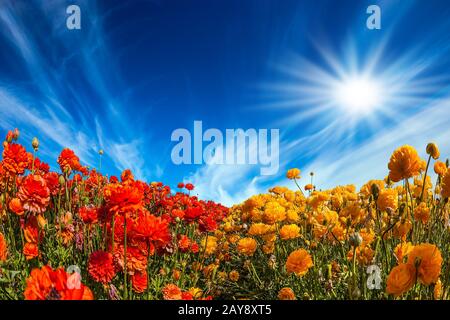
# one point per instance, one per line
(137, 70)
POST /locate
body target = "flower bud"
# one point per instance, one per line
(61, 180)
(35, 143)
(433, 150)
(100, 152)
(355, 239)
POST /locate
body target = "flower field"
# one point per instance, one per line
(79, 234)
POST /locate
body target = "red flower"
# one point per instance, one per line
(15, 159)
(101, 266)
(34, 194)
(30, 250)
(68, 161)
(189, 186)
(139, 281)
(186, 296)
(193, 212)
(3, 248)
(52, 180)
(127, 176)
(184, 243)
(49, 284)
(123, 199)
(89, 214)
(181, 185)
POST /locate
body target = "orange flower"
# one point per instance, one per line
(171, 292)
(440, 168)
(286, 294)
(247, 246)
(30, 250)
(68, 161)
(49, 284)
(388, 198)
(402, 250)
(136, 258)
(88, 214)
(290, 231)
(422, 213)
(445, 184)
(16, 206)
(427, 259)
(101, 266)
(404, 163)
(3, 248)
(15, 159)
(293, 174)
(298, 262)
(34, 194)
(401, 279)
(139, 281)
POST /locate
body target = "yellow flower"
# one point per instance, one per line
(388, 198)
(437, 292)
(286, 294)
(196, 292)
(290, 231)
(299, 262)
(427, 259)
(404, 163)
(401, 279)
(293, 174)
(433, 150)
(247, 246)
(209, 244)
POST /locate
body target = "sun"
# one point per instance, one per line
(358, 95)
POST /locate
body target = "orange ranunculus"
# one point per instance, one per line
(3, 248)
(16, 206)
(293, 174)
(171, 292)
(30, 250)
(387, 198)
(290, 231)
(15, 159)
(401, 279)
(101, 266)
(68, 161)
(440, 168)
(247, 246)
(422, 213)
(402, 250)
(286, 294)
(445, 184)
(136, 258)
(427, 259)
(404, 163)
(298, 262)
(34, 194)
(49, 284)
